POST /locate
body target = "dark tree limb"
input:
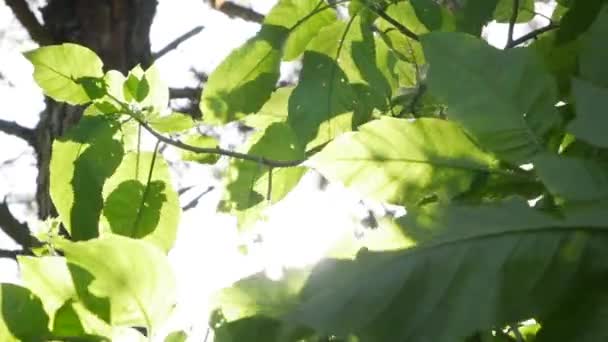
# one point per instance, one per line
(176, 42)
(10, 254)
(16, 230)
(26, 17)
(184, 93)
(13, 128)
(531, 35)
(233, 10)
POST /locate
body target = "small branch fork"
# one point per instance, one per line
(13, 128)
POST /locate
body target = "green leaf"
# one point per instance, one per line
(244, 80)
(475, 14)
(22, 317)
(61, 69)
(434, 16)
(582, 320)
(82, 161)
(578, 19)
(322, 105)
(172, 123)
(260, 328)
(136, 86)
(511, 261)
(574, 179)
(131, 278)
(402, 161)
(560, 59)
(591, 113)
(504, 11)
(258, 295)
(203, 142)
(508, 103)
(177, 336)
(63, 289)
(594, 52)
(64, 296)
(406, 48)
(288, 14)
(158, 93)
(140, 207)
(247, 181)
(274, 110)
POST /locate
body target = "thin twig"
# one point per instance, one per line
(12, 128)
(531, 35)
(512, 21)
(195, 200)
(407, 32)
(28, 20)
(175, 43)
(220, 151)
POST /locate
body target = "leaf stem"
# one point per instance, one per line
(147, 188)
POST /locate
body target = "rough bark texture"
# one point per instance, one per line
(118, 31)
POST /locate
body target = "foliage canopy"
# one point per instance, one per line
(499, 156)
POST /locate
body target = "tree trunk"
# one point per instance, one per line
(119, 32)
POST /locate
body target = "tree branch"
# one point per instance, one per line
(257, 159)
(16, 230)
(176, 42)
(28, 20)
(404, 30)
(512, 21)
(10, 254)
(531, 35)
(237, 11)
(12, 128)
(184, 93)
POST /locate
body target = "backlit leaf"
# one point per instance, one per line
(287, 13)
(244, 80)
(140, 209)
(402, 161)
(22, 317)
(508, 103)
(82, 161)
(132, 278)
(62, 71)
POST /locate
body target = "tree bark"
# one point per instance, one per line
(119, 32)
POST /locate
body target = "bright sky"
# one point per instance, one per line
(205, 257)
